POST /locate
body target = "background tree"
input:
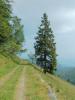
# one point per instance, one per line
(32, 58)
(45, 46)
(11, 29)
(5, 17)
(17, 34)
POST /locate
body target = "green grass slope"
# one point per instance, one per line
(35, 79)
(6, 65)
(35, 89)
(62, 89)
(7, 91)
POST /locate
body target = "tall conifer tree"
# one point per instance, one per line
(45, 46)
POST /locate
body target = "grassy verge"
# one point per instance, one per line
(35, 90)
(7, 92)
(64, 90)
(6, 65)
(6, 69)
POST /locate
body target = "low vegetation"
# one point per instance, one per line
(35, 89)
(6, 65)
(63, 90)
(7, 91)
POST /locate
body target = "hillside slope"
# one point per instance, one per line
(27, 82)
(62, 89)
(67, 73)
(6, 65)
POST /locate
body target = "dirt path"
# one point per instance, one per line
(51, 93)
(6, 77)
(20, 87)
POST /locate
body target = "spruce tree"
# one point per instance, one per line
(45, 46)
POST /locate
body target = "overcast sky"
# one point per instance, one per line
(61, 14)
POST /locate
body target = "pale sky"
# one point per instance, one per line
(61, 14)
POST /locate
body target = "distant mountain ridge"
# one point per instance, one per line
(67, 73)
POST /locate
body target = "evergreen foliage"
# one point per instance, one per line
(11, 29)
(45, 46)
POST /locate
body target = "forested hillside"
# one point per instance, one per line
(66, 73)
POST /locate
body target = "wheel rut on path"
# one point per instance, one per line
(51, 93)
(20, 87)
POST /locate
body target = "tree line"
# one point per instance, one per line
(11, 29)
(12, 38)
